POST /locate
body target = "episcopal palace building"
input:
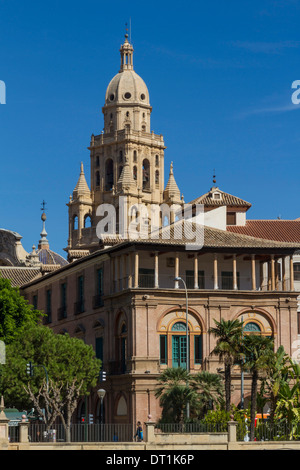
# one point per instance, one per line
(127, 295)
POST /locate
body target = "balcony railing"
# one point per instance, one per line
(117, 367)
(79, 307)
(62, 313)
(146, 280)
(98, 301)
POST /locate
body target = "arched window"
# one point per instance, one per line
(87, 221)
(156, 160)
(173, 342)
(135, 156)
(157, 177)
(252, 327)
(109, 174)
(97, 178)
(97, 161)
(146, 174)
(75, 222)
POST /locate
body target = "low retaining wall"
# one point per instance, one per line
(155, 441)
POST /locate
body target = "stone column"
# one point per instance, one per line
(129, 268)
(291, 273)
(125, 274)
(235, 286)
(216, 285)
(284, 277)
(232, 431)
(253, 272)
(23, 431)
(176, 270)
(272, 272)
(277, 271)
(136, 269)
(150, 428)
(196, 285)
(156, 283)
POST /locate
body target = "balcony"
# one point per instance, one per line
(62, 313)
(79, 307)
(117, 367)
(98, 301)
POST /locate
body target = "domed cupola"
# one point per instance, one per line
(127, 97)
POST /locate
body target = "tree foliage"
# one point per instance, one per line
(15, 312)
(70, 364)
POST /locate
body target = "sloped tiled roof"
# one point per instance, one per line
(19, 275)
(212, 238)
(277, 230)
(226, 199)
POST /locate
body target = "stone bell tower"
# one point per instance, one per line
(126, 159)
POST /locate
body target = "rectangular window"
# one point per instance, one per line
(35, 301)
(227, 280)
(99, 348)
(98, 297)
(63, 301)
(198, 349)
(189, 276)
(79, 305)
(48, 306)
(231, 218)
(100, 281)
(163, 349)
(296, 271)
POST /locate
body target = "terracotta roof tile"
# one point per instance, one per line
(277, 230)
(19, 275)
(226, 199)
(213, 238)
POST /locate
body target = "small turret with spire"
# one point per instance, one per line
(43, 243)
(172, 193)
(81, 188)
(126, 52)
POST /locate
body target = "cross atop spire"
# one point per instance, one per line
(43, 208)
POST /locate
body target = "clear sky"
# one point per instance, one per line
(219, 75)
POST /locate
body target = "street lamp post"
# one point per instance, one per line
(187, 339)
(101, 394)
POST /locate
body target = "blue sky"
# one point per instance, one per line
(219, 76)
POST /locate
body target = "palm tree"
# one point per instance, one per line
(278, 375)
(229, 335)
(258, 351)
(287, 407)
(174, 393)
(209, 388)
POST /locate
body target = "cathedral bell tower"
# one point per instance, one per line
(126, 159)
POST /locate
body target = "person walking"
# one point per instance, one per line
(139, 432)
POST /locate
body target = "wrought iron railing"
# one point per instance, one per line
(83, 433)
(189, 428)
